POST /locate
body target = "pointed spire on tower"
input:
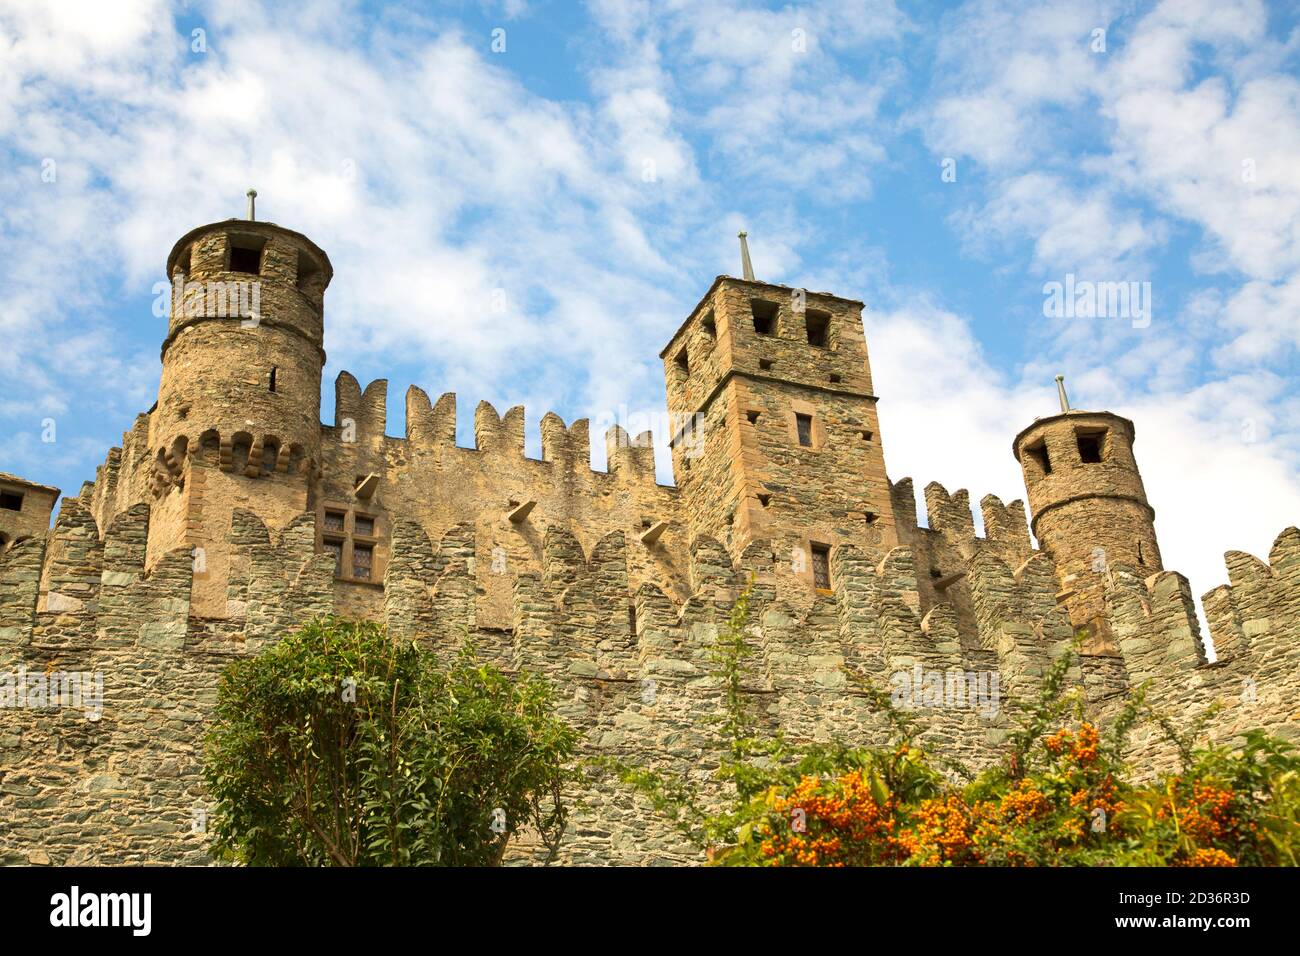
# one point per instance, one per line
(746, 267)
(1060, 391)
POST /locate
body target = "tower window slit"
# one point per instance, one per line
(1038, 453)
(821, 567)
(818, 325)
(803, 424)
(765, 314)
(273, 371)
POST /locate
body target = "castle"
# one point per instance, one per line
(230, 514)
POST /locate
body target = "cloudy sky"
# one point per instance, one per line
(591, 164)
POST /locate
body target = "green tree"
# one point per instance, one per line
(341, 747)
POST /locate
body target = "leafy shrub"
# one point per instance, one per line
(339, 747)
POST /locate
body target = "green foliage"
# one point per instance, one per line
(340, 747)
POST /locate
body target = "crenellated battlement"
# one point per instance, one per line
(360, 418)
(632, 663)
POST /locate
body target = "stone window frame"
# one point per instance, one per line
(247, 241)
(709, 326)
(1037, 459)
(803, 425)
(348, 538)
(682, 363)
(1102, 436)
(331, 539)
(828, 331)
(776, 318)
(817, 433)
(815, 548)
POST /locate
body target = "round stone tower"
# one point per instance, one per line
(1089, 508)
(241, 364)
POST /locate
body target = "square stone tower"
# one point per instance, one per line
(775, 435)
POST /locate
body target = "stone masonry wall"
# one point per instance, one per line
(629, 662)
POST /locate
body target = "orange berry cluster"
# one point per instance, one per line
(836, 815)
(1079, 747)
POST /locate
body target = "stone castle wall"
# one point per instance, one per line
(630, 664)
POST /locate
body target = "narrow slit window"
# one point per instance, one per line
(1038, 453)
(272, 381)
(765, 314)
(709, 325)
(818, 325)
(821, 567)
(307, 270)
(683, 363)
(803, 423)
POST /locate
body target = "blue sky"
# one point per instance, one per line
(594, 173)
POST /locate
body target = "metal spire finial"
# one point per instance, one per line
(252, 204)
(1060, 390)
(746, 267)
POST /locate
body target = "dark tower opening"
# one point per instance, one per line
(1090, 447)
(818, 325)
(246, 254)
(1038, 452)
(765, 314)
